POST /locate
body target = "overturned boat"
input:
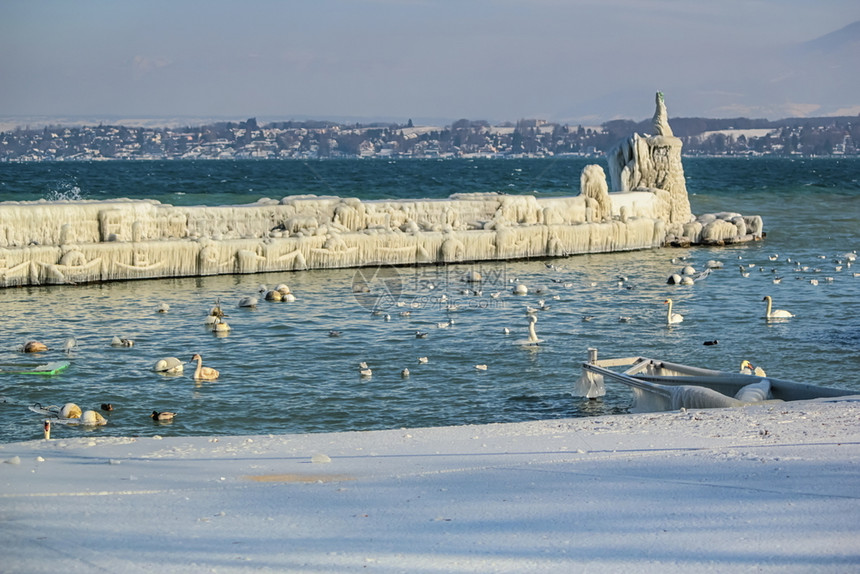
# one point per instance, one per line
(663, 386)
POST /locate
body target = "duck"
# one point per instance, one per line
(202, 373)
(163, 308)
(672, 318)
(107, 407)
(481, 367)
(162, 416)
(169, 365)
(334, 333)
(34, 347)
(771, 313)
(420, 335)
(221, 326)
(423, 360)
(405, 373)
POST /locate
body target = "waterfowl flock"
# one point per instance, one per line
(455, 306)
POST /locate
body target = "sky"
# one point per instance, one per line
(582, 61)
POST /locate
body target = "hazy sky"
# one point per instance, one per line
(497, 60)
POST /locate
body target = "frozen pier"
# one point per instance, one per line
(90, 241)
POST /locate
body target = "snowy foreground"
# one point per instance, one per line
(769, 488)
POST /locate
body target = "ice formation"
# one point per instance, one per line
(59, 242)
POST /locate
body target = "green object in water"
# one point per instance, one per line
(47, 369)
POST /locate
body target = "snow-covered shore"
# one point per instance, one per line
(773, 487)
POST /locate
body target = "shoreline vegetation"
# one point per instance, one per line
(527, 138)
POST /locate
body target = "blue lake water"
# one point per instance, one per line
(282, 373)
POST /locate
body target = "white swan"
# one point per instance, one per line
(248, 301)
(120, 342)
(672, 318)
(533, 339)
(748, 369)
(202, 373)
(70, 411)
(771, 313)
(170, 365)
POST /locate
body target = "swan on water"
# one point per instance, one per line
(92, 418)
(771, 313)
(170, 365)
(533, 339)
(120, 342)
(70, 411)
(747, 368)
(248, 302)
(202, 373)
(216, 311)
(162, 416)
(672, 318)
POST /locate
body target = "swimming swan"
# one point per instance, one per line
(533, 339)
(748, 369)
(170, 365)
(672, 318)
(775, 314)
(202, 373)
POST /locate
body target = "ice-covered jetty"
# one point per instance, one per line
(60, 242)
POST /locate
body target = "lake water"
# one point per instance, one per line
(282, 373)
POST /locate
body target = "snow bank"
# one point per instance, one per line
(765, 488)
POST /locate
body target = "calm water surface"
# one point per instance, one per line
(282, 373)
